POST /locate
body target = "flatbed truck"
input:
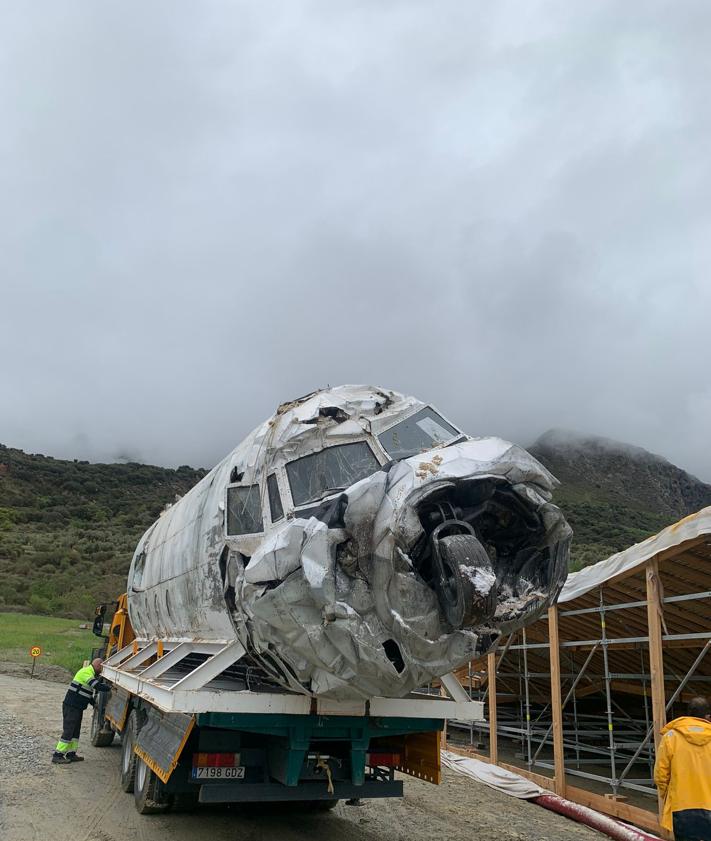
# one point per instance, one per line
(196, 728)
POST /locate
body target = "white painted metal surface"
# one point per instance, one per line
(454, 688)
(196, 690)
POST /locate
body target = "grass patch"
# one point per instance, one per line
(62, 641)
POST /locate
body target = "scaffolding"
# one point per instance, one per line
(577, 700)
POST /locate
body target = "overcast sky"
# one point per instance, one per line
(209, 208)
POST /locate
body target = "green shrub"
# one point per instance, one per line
(68, 529)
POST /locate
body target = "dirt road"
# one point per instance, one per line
(83, 802)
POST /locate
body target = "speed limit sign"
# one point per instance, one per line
(35, 652)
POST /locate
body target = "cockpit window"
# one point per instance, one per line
(334, 469)
(275, 507)
(416, 434)
(138, 570)
(244, 510)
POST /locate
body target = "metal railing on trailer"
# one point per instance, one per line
(167, 674)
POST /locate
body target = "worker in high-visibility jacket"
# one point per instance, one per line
(79, 695)
(683, 773)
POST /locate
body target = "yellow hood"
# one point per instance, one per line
(697, 731)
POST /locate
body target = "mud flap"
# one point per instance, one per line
(161, 740)
(117, 708)
(419, 754)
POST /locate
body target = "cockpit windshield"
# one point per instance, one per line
(336, 468)
(417, 434)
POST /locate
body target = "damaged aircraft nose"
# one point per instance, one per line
(357, 544)
(492, 549)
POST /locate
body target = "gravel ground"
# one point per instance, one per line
(19, 748)
(83, 802)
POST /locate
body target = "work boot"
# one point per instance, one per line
(73, 757)
(60, 759)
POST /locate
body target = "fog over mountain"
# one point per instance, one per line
(207, 209)
(627, 475)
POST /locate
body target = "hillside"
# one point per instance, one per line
(68, 528)
(615, 494)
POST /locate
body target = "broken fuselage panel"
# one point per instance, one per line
(357, 544)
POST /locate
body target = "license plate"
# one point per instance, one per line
(212, 773)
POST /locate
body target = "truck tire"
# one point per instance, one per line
(101, 733)
(148, 794)
(128, 757)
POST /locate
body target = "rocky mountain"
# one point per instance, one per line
(615, 494)
(68, 528)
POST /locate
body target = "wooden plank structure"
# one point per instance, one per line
(556, 702)
(599, 676)
(493, 741)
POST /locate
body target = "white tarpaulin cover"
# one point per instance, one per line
(508, 782)
(492, 775)
(693, 526)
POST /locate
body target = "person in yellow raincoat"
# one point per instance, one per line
(682, 773)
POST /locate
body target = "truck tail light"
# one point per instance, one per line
(216, 760)
(383, 760)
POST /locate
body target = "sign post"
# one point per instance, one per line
(35, 652)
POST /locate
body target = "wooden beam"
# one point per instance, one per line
(629, 688)
(617, 809)
(592, 688)
(656, 656)
(493, 735)
(556, 702)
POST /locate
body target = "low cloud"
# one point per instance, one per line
(206, 211)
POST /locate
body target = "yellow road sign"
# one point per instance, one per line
(35, 651)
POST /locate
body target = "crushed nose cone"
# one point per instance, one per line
(486, 538)
(414, 572)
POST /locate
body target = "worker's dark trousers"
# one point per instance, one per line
(71, 727)
(692, 825)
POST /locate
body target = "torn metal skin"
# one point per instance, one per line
(358, 544)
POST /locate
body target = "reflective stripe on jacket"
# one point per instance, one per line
(81, 690)
(683, 768)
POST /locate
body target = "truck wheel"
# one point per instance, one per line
(128, 757)
(101, 733)
(148, 794)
